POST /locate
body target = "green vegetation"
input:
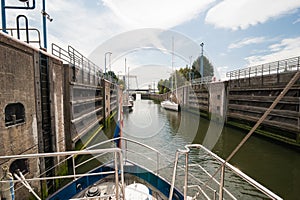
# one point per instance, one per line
(184, 75)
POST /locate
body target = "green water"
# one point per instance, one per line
(274, 165)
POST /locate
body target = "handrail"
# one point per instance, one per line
(203, 80)
(118, 158)
(78, 61)
(121, 156)
(126, 140)
(30, 41)
(26, 27)
(290, 64)
(239, 173)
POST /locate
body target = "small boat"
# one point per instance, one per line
(139, 172)
(170, 105)
(127, 102)
(127, 106)
(131, 99)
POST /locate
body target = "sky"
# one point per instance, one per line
(163, 35)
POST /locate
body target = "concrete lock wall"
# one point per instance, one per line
(241, 102)
(21, 106)
(17, 85)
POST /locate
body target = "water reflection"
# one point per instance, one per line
(271, 164)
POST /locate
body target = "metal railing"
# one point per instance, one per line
(281, 66)
(14, 32)
(156, 162)
(140, 154)
(86, 67)
(210, 191)
(71, 155)
(196, 175)
(204, 80)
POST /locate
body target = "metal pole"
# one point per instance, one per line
(110, 62)
(74, 168)
(186, 176)
(157, 164)
(3, 16)
(201, 60)
(191, 68)
(44, 24)
(222, 182)
(174, 176)
(116, 176)
(105, 63)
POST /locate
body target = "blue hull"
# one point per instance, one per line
(70, 190)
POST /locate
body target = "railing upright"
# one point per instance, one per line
(222, 182)
(186, 175)
(74, 167)
(116, 175)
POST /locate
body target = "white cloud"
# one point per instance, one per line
(246, 41)
(296, 21)
(85, 28)
(221, 73)
(287, 48)
(241, 14)
(76, 24)
(156, 13)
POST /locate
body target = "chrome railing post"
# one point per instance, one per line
(74, 168)
(157, 163)
(186, 175)
(126, 149)
(174, 176)
(222, 181)
(122, 175)
(116, 176)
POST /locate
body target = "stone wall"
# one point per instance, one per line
(21, 107)
(17, 87)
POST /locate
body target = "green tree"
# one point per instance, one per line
(163, 86)
(112, 74)
(208, 68)
(183, 75)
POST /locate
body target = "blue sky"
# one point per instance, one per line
(235, 33)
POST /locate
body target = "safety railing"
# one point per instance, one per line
(209, 185)
(155, 159)
(204, 80)
(195, 172)
(281, 66)
(116, 170)
(35, 38)
(84, 70)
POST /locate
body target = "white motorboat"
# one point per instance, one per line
(170, 105)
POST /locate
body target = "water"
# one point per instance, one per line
(271, 164)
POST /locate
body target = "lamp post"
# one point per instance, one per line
(45, 17)
(201, 61)
(105, 62)
(191, 68)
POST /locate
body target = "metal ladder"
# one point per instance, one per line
(46, 119)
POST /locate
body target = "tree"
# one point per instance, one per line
(163, 86)
(183, 75)
(208, 68)
(112, 74)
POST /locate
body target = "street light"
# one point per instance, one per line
(105, 61)
(190, 71)
(201, 60)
